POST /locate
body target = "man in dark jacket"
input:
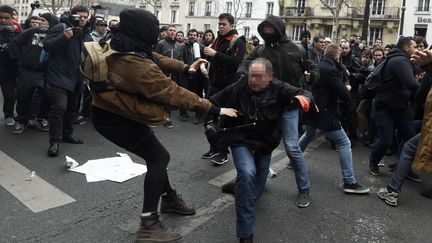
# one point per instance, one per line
(326, 92)
(393, 101)
(290, 66)
(64, 44)
(27, 48)
(8, 66)
(260, 100)
(224, 60)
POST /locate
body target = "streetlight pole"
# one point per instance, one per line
(366, 21)
(402, 18)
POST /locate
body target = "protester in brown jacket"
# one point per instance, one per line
(122, 115)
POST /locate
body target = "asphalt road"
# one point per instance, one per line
(109, 212)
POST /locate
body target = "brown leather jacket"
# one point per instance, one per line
(142, 90)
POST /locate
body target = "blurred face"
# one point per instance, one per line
(345, 48)
(421, 46)
(365, 59)
(171, 32)
(43, 22)
(386, 51)
(320, 45)
(378, 56)
(208, 37)
(179, 37)
(101, 29)
(269, 29)
(34, 22)
(411, 48)
(193, 36)
(83, 18)
(224, 27)
(5, 19)
(259, 79)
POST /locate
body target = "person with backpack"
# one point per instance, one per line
(8, 65)
(225, 55)
(134, 98)
(392, 104)
(64, 43)
(28, 48)
(290, 66)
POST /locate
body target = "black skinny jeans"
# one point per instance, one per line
(139, 139)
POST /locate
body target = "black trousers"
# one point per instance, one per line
(63, 112)
(139, 139)
(8, 86)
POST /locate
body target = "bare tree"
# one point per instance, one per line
(335, 10)
(238, 11)
(53, 6)
(281, 7)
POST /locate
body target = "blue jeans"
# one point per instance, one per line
(343, 144)
(386, 122)
(290, 121)
(252, 172)
(403, 167)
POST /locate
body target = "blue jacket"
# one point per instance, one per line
(64, 58)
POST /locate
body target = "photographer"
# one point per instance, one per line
(8, 66)
(64, 44)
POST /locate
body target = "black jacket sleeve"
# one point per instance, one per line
(237, 54)
(55, 40)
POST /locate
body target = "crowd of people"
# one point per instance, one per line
(249, 96)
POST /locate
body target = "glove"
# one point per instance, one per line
(303, 101)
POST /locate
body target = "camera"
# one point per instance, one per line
(72, 20)
(34, 5)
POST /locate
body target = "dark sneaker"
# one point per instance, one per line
(413, 177)
(81, 120)
(173, 203)
(152, 230)
(229, 187)
(168, 124)
(220, 159)
(355, 188)
(247, 240)
(390, 198)
(43, 125)
(9, 121)
(303, 198)
(19, 128)
(373, 169)
(210, 154)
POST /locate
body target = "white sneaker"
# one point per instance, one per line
(10, 121)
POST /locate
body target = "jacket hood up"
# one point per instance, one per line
(279, 26)
(51, 18)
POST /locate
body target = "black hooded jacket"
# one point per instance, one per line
(8, 65)
(27, 47)
(399, 83)
(288, 59)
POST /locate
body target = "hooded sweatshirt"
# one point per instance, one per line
(287, 58)
(8, 66)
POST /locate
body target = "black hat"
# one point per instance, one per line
(305, 33)
(101, 22)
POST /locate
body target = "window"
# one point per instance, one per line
(377, 7)
(246, 30)
(423, 5)
(248, 10)
(206, 27)
(331, 3)
(270, 8)
(297, 29)
(229, 7)
(208, 6)
(300, 5)
(374, 33)
(191, 8)
(173, 16)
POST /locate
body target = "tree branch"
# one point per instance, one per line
(328, 6)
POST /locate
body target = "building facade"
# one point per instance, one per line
(318, 19)
(418, 19)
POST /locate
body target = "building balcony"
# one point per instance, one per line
(175, 3)
(376, 14)
(295, 12)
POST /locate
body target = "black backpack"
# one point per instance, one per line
(374, 81)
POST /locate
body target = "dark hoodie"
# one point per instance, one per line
(287, 58)
(27, 47)
(8, 66)
(399, 83)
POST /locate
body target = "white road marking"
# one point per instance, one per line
(34, 192)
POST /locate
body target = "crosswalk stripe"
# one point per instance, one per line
(34, 192)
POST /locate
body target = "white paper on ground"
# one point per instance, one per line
(71, 163)
(118, 169)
